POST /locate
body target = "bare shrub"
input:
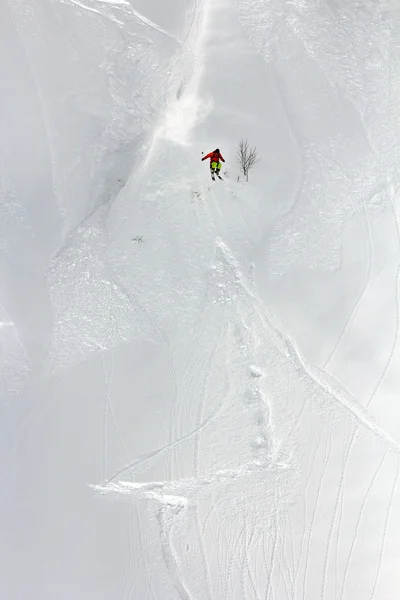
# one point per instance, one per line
(247, 157)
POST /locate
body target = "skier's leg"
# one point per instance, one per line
(218, 169)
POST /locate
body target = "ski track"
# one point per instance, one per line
(197, 468)
(151, 456)
(397, 283)
(339, 494)
(357, 527)
(166, 524)
(315, 510)
(93, 10)
(109, 410)
(353, 313)
(148, 23)
(114, 2)
(23, 32)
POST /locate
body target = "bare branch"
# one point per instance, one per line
(247, 157)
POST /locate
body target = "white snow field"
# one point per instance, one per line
(200, 380)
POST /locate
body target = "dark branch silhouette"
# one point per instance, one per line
(247, 157)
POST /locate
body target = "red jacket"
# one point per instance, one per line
(214, 156)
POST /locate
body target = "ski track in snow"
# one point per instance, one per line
(114, 2)
(150, 23)
(93, 10)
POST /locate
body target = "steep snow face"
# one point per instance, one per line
(338, 81)
(80, 96)
(199, 379)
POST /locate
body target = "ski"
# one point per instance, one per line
(219, 177)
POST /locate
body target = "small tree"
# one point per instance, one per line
(247, 157)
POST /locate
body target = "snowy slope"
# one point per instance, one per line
(199, 379)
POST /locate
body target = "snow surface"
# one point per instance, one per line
(199, 381)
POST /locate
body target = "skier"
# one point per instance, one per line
(215, 165)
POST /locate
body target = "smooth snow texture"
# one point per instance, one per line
(199, 380)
